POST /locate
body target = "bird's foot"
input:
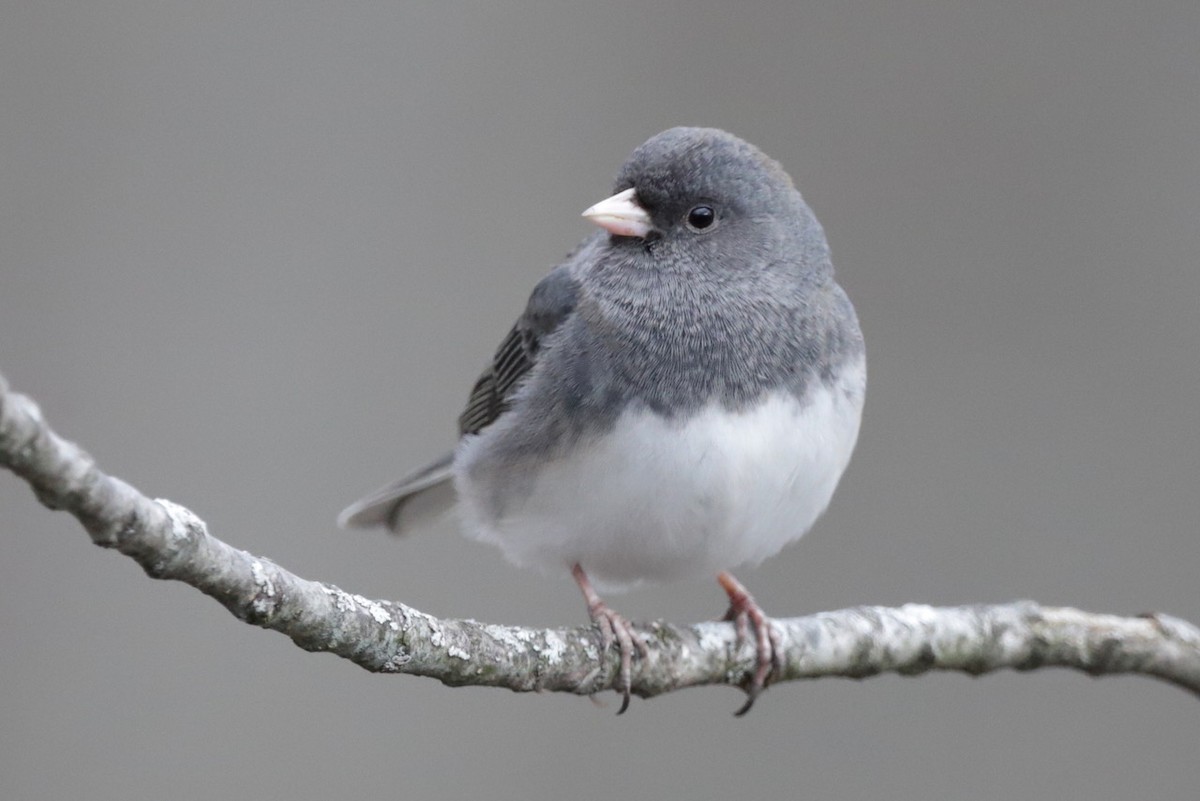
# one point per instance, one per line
(613, 628)
(745, 613)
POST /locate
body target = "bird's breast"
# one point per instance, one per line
(658, 498)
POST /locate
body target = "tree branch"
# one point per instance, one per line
(170, 542)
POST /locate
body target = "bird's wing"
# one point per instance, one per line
(428, 491)
(551, 302)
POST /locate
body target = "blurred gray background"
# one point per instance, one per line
(253, 255)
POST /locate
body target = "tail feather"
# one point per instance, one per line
(421, 494)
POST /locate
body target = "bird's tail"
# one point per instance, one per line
(402, 505)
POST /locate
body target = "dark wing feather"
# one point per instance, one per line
(490, 392)
(551, 302)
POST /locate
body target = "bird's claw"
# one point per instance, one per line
(745, 613)
(613, 628)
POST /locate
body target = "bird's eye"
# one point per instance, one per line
(701, 217)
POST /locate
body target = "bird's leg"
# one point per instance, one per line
(613, 627)
(744, 611)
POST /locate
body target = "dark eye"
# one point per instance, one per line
(701, 217)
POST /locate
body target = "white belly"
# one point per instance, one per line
(656, 499)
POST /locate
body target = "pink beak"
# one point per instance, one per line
(621, 215)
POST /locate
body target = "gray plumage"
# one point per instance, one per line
(671, 323)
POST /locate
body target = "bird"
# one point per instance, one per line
(679, 398)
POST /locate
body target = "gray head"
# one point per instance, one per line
(702, 196)
(715, 283)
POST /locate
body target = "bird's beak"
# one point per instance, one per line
(621, 215)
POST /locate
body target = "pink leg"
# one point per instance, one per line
(612, 627)
(744, 611)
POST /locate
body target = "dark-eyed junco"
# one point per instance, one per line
(679, 397)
